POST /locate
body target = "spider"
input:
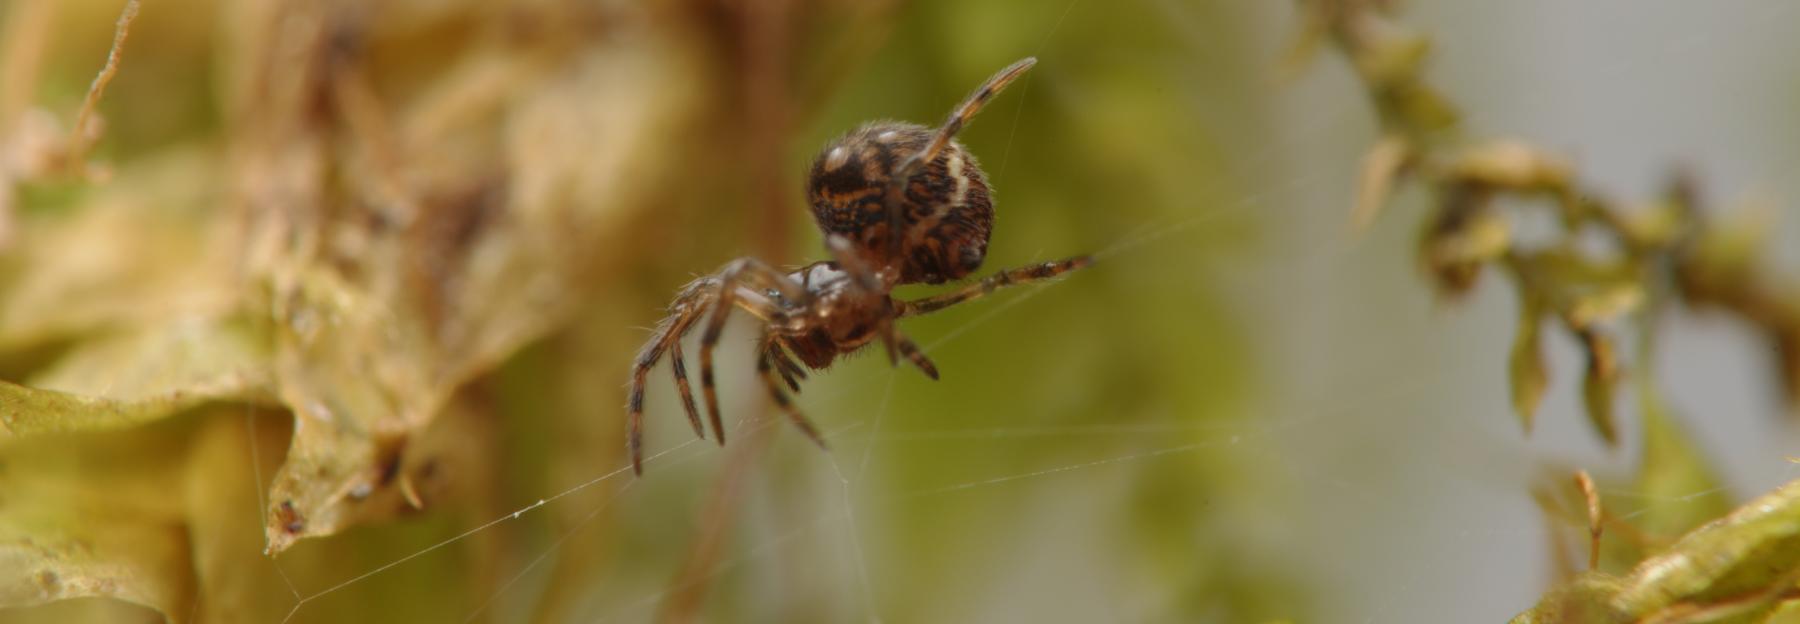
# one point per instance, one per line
(898, 203)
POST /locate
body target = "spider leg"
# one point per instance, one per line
(960, 116)
(734, 275)
(912, 353)
(1009, 277)
(764, 369)
(668, 333)
(679, 367)
(790, 372)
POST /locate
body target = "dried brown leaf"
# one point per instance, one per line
(382, 327)
(134, 255)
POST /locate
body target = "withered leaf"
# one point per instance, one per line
(121, 259)
(377, 334)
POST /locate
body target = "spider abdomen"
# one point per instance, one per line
(947, 212)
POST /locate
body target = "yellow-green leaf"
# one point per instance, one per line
(1599, 383)
(1527, 368)
(95, 515)
(159, 515)
(1381, 168)
(1738, 563)
(1511, 164)
(126, 380)
(1677, 488)
(1604, 303)
(1582, 600)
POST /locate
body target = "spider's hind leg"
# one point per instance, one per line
(903, 172)
(971, 105)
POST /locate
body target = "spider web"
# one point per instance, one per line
(1404, 447)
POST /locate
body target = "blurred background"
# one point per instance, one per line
(361, 282)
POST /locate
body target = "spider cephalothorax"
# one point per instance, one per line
(946, 213)
(898, 204)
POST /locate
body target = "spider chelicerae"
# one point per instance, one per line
(898, 203)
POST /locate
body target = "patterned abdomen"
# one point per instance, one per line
(948, 212)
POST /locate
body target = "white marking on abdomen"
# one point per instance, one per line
(962, 182)
(836, 158)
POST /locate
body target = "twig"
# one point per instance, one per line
(79, 139)
(1586, 484)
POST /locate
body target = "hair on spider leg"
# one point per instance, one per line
(897, 203)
